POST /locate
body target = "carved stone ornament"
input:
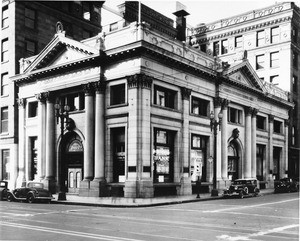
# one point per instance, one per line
(185, 93)
(59, 27)
(89, 88)
(235, 133)
(70, 124)
(139, 80)
(21, 102)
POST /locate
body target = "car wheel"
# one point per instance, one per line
(10, 197)
(30, 198)
(241, 194)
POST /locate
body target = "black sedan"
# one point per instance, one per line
(33, 192)
(286, 185)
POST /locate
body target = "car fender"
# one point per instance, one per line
(14, 197)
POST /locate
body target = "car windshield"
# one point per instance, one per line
(2, 184)
(239, 182)
(36, 185)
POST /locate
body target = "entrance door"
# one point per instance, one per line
(74, 178)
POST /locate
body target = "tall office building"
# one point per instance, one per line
(26, 28)
(270, 37)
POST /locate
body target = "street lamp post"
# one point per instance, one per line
(61, 114)
(214, 127)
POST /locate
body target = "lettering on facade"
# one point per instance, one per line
(238, 94)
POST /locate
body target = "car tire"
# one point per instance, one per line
(9, 197)
(241, 194)
(30, 198)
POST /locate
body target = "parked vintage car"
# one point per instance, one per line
(286, 185)
(242, 187)
(33, 192)
(3, 190)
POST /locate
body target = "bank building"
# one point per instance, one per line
(138, 112)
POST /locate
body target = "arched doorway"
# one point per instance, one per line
(233, 161)
(72, 162)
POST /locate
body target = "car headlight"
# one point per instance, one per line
(236, 188)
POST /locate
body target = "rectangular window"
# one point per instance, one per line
(203, 48)
(164, 97)
(5, 156)
(277, 127)
(163, 156)
(295, 60)
(4, 50)
(118, 152)
(295, 34)
(260, 161)
(32, 109)
(261, 122)
(113, 26)
(216, 48)
(198, 153)
(295, 84)
(5, 17)
(33, 154)
(74, 101)
(234, 115)
(274, 79)
(260, 38)
(293, 135)
(275, 35)
(238, 42)
(274, 59)
(117, 94)
(200, 106)
(224, 46)
(30, 18)
(260, 62)
(4, 120)
(4, 84)
(30, 47)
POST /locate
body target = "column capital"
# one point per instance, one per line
(88, 89)
(217, 102)
(139, 80)
(286, 123)
(100, 86)
(41, 96)
(248, 110)
(225, 103)
(185, 93)
(49, 96)
(271, 118)
(254, 112)
(21, 102)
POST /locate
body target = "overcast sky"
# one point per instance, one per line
(201, 11)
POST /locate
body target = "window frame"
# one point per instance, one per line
(4, 122)
(260, 38)
(275, 34)
(277, 127)
(115, 94)
(238, 42)
(224, 46)
(274, 59)
(4, 88)
(5, 17)
(4, 50)
(202, 105)
(169, 97)
(261, 122)
(260, 65)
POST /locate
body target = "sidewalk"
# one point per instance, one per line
(140, 202)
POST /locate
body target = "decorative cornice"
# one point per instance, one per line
(139, 80)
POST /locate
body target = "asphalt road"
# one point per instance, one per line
(272, 217)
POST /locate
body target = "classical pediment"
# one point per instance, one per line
(243, 74)
(60, 51)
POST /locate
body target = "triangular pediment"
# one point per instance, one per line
(243, 74)
(60, 51)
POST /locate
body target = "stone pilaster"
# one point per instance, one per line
(270, 163)
(21, 179)
(217, 108)
(285, 149)
(185, 188)
(139, 181)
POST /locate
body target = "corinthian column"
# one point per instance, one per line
(253, 137)
(248, 152)
(217, 109)
(224, 144)
(89, 133)
(21, 180)
(50, 143)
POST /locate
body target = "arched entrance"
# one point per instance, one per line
(72, 162)
(233, 160)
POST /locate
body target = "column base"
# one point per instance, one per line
(138, 189)
(50, 184)
(84, 189)
(98, 188)
(185, 186)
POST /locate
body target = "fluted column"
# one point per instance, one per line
(253, 138)
(224, 145)
(99, 131)
(89, 133)
(41, 155)
(217, 109)
(285, 149)
(50, 143)
(186, 188)
(21, 179)
(248, 152)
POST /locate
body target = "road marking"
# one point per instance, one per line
(253, 235)
(66, 232)
(260, 215)
(251, 206)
